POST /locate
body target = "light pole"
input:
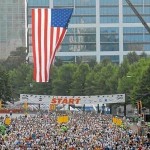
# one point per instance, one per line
(0, 88)
(125, 108)
(126, 96)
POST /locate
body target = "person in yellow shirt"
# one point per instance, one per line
(7, 120)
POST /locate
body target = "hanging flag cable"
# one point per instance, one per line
(138, 15)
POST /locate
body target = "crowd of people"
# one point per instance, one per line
(84, 131)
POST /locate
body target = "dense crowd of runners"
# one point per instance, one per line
(84, 131)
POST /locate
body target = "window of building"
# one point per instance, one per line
(142, 6)
(63, 3)
(109, 11)
(79, 40)
(84, 12)
(86, 59)
(109, 39)
(112, 58)
(38, 2)
(65, 59)
(136, 39)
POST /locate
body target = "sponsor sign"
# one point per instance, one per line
(117, 121)
(62, 119)
(25, 105)
(65, 100)
(7, 121)
(52, 107)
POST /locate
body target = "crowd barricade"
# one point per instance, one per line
(11, 110)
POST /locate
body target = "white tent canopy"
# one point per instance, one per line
(65, 107)
(73, 109)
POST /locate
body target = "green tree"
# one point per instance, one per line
(105, 61)
(79, 78)
(132, 57)
(123, 68)
(92, 63)
(90, 83)
(143, 88)
(129, 82)
(17, 79)
(63, 79)
(143, 55)
(32, 87)
(106, 80)
(5, 89)
(91, 79)
(16, 58)
(58, 62)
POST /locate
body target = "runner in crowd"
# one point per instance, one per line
(84, 131)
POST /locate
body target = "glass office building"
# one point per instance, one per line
(99, 29)
(12, 26)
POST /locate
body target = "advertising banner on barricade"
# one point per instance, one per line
(62, 119)
(72, 100)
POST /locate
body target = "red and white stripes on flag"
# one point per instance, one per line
(45, 41)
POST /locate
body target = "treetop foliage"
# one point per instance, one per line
(131, 77)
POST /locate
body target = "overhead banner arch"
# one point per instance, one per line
(72, 100)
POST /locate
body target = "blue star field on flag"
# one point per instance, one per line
(60, 17)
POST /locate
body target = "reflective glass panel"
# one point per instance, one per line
(65, 59)
(38, 2)
(136, 39)
(79, 39)
(86, 59)
(84, 12)
(143, 8)
(109, 11)
(113, 58)
(109, 39)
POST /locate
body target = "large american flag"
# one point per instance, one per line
(48, 31)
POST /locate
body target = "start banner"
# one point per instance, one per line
(72, 100)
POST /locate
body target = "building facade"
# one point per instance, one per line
(99, 29)
(12, 26)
